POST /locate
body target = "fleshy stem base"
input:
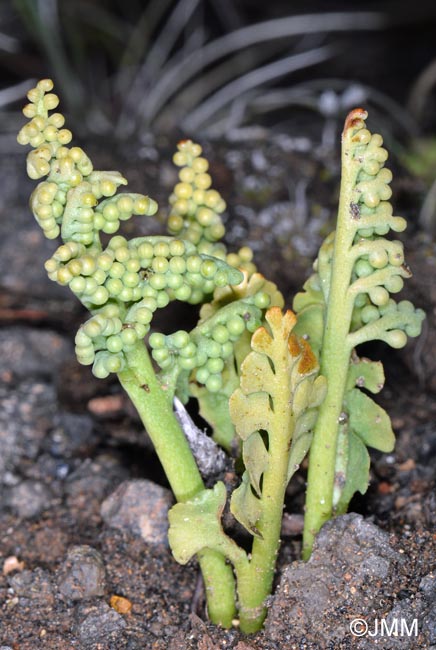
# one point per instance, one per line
(155, 410)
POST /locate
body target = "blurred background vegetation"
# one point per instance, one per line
(135, 70)
(214, 65)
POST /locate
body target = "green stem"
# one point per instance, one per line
(342, 458)
(155, 410)
(323, 451)
(335, 358)
(255, 579)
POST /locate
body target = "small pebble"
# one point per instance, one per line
(29, 498)
(429, 624)
(82, 575)
(141, 508)
(120, 604)
(73, 434)
(428, 586)
(33, 585)
(90, 483)
(98, 622)
(106, 406)
(407, 466)
(11, 564)
(385, 488)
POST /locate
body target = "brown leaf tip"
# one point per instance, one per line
(277, 320)
(355, 119)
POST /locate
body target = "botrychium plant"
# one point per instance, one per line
(270, 383)
(347, 302)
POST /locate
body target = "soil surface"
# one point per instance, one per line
(84, 562)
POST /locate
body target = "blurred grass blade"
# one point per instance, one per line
(172, 80)
(251, 80)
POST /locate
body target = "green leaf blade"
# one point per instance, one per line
(356, 476)
(249, 413)
(256, 459)
(196, 525)
(369, 421)
(245, 506)
(367, 374)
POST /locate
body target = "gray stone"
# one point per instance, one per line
(28, 499)
(72, 433)
(428, 586)
(91, 482)
(429, 624)
(33, 585)
(141, 508)
(352, 575)
(350, 557)
(26, 416)
(98, 623)
(82, 575)
(27, 351)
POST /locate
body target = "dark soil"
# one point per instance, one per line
(84, 562)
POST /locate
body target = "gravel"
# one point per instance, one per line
(140, 507)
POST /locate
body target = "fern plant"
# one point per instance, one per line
(273, 412)
(345, 303)
(254, 369)
(123, 284)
